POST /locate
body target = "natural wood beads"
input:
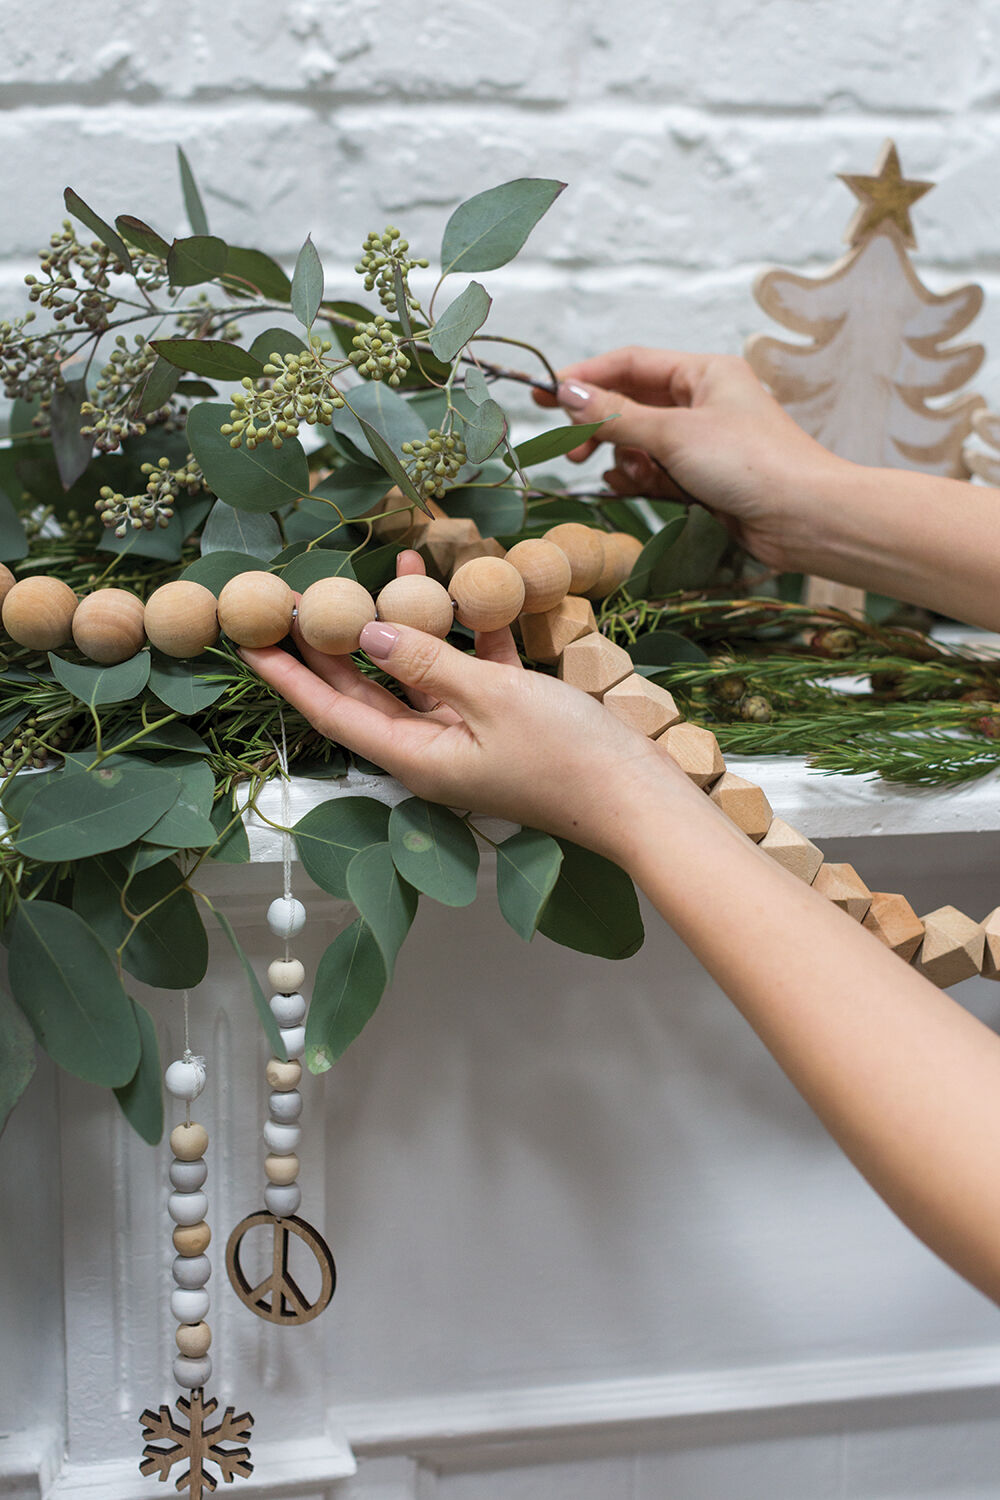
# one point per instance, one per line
(619, 560)
(695, 750)
(628, 548)
(108, 626)
(441, 540)
(894, 922)
(332, 614)
(181, 619)
(952, 948)
(792, 850)
(991, 946)
(281, 1169)
(406, 520)
(585, 550)
(744, 804)
(282, 1076)
(546, 572)
(642, 704)
(594, 664)
(188, 1142)
(488, 593)
(842, 885)
(7, 581)
(193, 1339)
(192, 1239)
(417, 601)
(38, 613)
(255, 609)
(546, 636)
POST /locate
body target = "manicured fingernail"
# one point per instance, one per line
(572, 397)
(377, 640)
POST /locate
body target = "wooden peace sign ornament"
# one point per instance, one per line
(278, 1298)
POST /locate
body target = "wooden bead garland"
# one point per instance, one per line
(332, 614)
(38, 613)
(417, 601)
(546, 572)
(585, 549)
(181, 618)
(488, 593)
(255, 609)
(109, 626)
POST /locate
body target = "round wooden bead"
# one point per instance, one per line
(417, 601)
(285, 1108)
(286, 917)
(188, 1142)
(255, 609)
(280, 1139)
(294, 1039)
(108, 626)
(288, 1010)
(191, 1374)
(194, 1339)
(285, 975)
(192, 1239)
(282, 1201)
(281, 1169)
(188, 1176)
(488, 593)
(185, 1078)
(38, 613)
(180, 618)
(619, 560)
(627, 545)
(546, 572)
(332, 614)
(283, 1076)
(187, 1208)
(584, 548)
(191, 1271)
(7, 581)
(189, 1306)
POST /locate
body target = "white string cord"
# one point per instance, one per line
(286, 817)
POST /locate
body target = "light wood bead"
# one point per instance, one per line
(792, 850)
(842, 885)
(282, 1076)
(594, 664)
(488, 593)
(628, 548)
(38, 613)
(7, 581)
(695, 750)
(991, 945)
(407, 522)
(108, 626)
(417, 601)
(193, 1339)
(282, 1169)
(286, 975)
(891, 919)
(486, 546)
(440, 542)
(181, 618)
(188, 1142)
(546, 636)
(332, 614)
(642, 704)
(952, 948)
(546, 572)
(192, 1239)
(255, 609)
(743, 803)
(585, 549)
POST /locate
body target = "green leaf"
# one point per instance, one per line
(485, 431)
(488, 230)
(186, 824)
(554, 443)
(161, 382)
(17, 1056)
(138, 233)
(497, 511)
(456, 325)
(434, 850)
(276, 341)
(391, 464)
(662, 648)
(233, 847)
(639, 582)
(528, 866)
(185, 686)
(193, 261)
(349, 984)
(65, 982)
(13, 542)
(321, 562)
(197, 217)
(251, 272)
(141, 1099)
(169, 947)
(215, 570)
(98, 685)
(229, 530)
(79, 813)
(593, 906)
(267, 1021)
(330, 835)
(212, 357)
(94, 222)
(375, 566)
(172, 737)
(307, 284)
(476, 385)
(263, 479)
(376, 403)
(387, 903)
(71, 448)
(693, 558)
(355, 490)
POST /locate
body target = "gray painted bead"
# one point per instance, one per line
(294, 1038)
(189, 1305)
(288, 1010)
(281, 1139)
(286, 917)
(282, 1201)
(191, 1271)
(187, 1208)
(192, 1373)
(188, 1176)
(285, 1108)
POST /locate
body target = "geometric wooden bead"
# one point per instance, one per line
(792, 850)
(695, 750)
(643, 705)
(894, 922)
(842, 885)
(547, 635)
(484, 546)
(952, 948)
(440, 542)
(744, 803)
(991, 950)
(594, 664)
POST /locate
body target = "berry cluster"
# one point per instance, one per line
(435, 462)
(381, 256)
(377, 354)
(300, 391)
(156, 506)
(61, 292)
(30, 365)
(118, 395)
(25, 749)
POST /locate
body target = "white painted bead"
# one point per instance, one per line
(294, 1038)
(286, 975)
(285, 1108)
(288, 1010)
(192, 1373)
(282, 1201)
(189, 1306)
(282, 1138)
(191, 1271)
(185, 1079)
(187, 1208)
(188, 1176)
(286, 917)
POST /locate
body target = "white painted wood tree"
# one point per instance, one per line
(868, 379)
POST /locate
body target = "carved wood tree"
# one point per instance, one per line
(868, 381)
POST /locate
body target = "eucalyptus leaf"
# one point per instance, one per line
(375, 566)
(17, 1056)
(96, 685)
(197, 217)
(186, 824)
(528, 866)
(13, 541)
(485, 431)
(229, 530)
(321, 562)
(391, 464)
(393, 417)
(215, 570)
(252, 273)
(193, 261)
(693, 558)
(661, 648)
(456, 325)
(488, 230)
(593, 906)
(307, 284)
(233, 844)
(71, 448)
(350, 981)
(263, 479)
(354, 489)
(330, 835)
(94, 222)
(554, 443)
(165, 543)
(639, 582)
(184, 686)
(276, 341)
(476, 385)
(160, 384)
(169, 947)
(141, 1099)
(212, 357)
(385, 901)
(138, 233)
(267, 1021)
(172, 737)
(79, 813)
(496, 510)
(434, 850)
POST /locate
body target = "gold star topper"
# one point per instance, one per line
(885, 198)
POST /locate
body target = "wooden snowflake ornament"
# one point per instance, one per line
(169, 1443)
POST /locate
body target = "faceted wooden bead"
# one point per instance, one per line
(744, 804)
(108, 626)
(406, 522)
(181, 618)
(332, 614)
(194, 1339)
(286, 975)
(281, 1169)
(38, 613)
(642, 704)
(255, 609)
(7, 581)
(952, 948)
(189, 1142)
(488, 593)
(546, 636)
(417, 601)
(594, 664)
(484, 546)
(695, 750)
(585, 549)
(282, 1075)
(792, 850)
(546, 573)
(192, 1239)
(894, 922)
(991, 948)
(440, 542)
(842, 885)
